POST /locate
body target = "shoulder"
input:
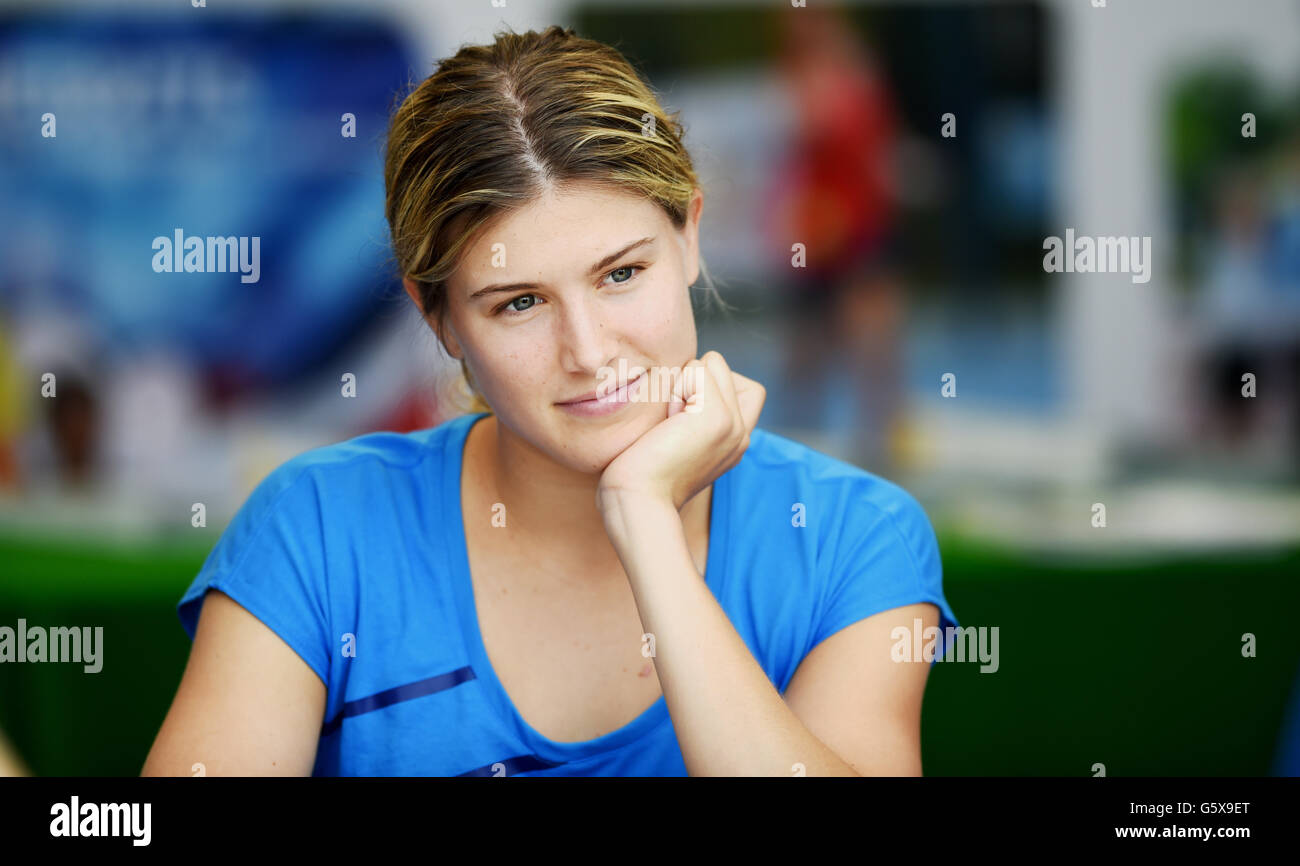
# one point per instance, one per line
(375, 484)
(342, 472)
(817, 544)
(297, 539)
(777, 470)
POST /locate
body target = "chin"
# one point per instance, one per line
(591, 444)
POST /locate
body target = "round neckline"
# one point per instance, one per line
(457, 550)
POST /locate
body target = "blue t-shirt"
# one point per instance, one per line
(354, 554)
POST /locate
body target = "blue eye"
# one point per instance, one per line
(630, 276)
(530, 300)
(510, 305)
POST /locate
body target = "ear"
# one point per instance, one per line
(692, 232)
(444, 335)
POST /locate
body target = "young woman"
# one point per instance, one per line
(606, 568)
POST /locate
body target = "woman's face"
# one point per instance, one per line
(573, 307)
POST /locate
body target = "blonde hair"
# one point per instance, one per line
(495, 125)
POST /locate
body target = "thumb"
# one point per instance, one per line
(676, 403)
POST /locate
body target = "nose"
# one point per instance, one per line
(586, 341)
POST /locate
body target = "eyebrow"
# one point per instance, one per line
(608, 260)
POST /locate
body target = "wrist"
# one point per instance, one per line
(621, 498)
(625, 509)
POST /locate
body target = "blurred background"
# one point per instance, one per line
(921, 151)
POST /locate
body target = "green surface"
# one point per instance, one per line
(1136, 665)
(62, 720)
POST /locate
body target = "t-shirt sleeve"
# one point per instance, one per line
(270, 560)
(886, 556)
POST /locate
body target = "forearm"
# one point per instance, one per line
(729, 719)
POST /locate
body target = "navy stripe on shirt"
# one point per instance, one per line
(388, 697)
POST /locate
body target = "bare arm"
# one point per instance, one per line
(859, 701)
(248, 705)
(729, 718)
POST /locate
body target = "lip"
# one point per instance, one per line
(606, 405)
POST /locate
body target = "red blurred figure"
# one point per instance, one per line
(834, 194)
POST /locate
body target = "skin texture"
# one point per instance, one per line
(525, 362)
(616, 499)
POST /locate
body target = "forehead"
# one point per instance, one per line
(560, 234)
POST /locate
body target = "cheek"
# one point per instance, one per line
(508, 366)
(662, 315)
